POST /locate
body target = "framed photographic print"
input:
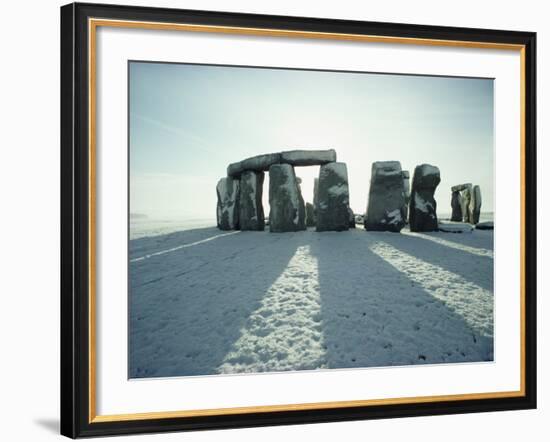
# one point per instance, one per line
(272, 220)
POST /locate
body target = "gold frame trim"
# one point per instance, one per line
(93, 24)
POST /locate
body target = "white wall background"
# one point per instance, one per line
(29, 247)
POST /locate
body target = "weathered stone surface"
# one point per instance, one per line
(407, 186)
(460, 202)
(456, 214)
(465, 199)
(227, 212)
(455, 227)
(386, 205)
(251, 211)
(460, 187)
(315, 193)
(333, 198)
(287, 210)
(487, 225)
(258, 163)
(310, 215)
(475, 205)
(308, 157)
(351, 218)
(423, 207)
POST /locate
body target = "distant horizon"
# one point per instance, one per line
(188, 122)
(167, 218)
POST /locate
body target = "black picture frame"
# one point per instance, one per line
(76, 402)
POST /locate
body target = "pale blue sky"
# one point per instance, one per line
(188, 122)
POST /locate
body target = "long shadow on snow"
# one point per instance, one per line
(188, 307)
(373, 315)
(473, 268)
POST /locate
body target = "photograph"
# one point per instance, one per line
(286, 219)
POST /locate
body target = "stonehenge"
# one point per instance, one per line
(262, 163)
(422, 206)
(288, 213)
(351, 218)
(466, 203)
(227, 212)
(393, 200)
(259, 163)
(240, 193)
(456, 207)
(475, 205)
(315, 197)
(310, 215)
(386, 205)
(463, 195)
(332, 211)
(251, 211)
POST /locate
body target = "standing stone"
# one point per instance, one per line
(475, 205)
(315, 197)
(462, 195)
(310, 215)
(227, 212)
(422, 209)
(351, 218)
(333, 198)
(407, 186)
(386, 205)
(465, 199)
(251, 211)
(315, 191)
(287, 210)
(456, 206)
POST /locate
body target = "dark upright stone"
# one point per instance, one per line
(351, 218)
(227, 212)
(333, 198)
(310, 215)
(407, 186)
(475, 205)
(386, 205)
(456, 206)
(287, 210)
(422, 206)
(464, 199)
(251, 211)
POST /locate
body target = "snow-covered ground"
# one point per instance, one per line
(144, 227)
(204, 301)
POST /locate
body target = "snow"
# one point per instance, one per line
(204, 303)
(394, 216)
(338, 189)
(455, 227)
(421, 204)
(151, 227)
